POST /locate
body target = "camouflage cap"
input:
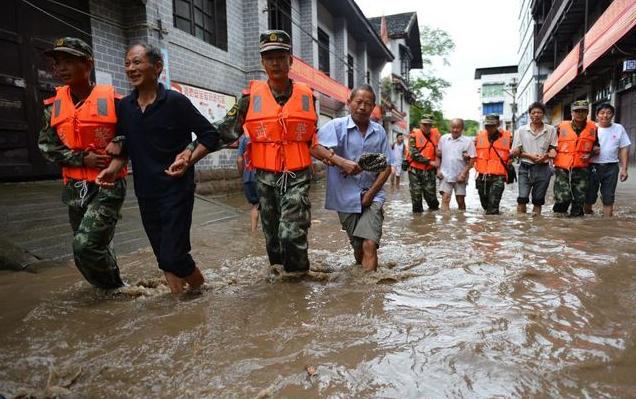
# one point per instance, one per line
(271, 40)
(427, 118)
(491, 119)
(72, 46)
(580, 105)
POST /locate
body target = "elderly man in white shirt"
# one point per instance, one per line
(604, 166)
(457, 154)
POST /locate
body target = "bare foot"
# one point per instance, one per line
(195, 280)
(175, 283)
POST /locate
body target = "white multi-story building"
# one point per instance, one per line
(528, 85)
(496, 92)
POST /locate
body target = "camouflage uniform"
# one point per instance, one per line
(93, 212)
(570, 187)
(285, 214)
(422, 183)
(490, 189)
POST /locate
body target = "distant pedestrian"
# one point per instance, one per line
(535, 144)
(422, 160)
(457, 156)
(397, 152)
(248, 176)
(610, 164)
(158, 125)
(493, 160)
(79, 122)
(358, 198)
(577, 141)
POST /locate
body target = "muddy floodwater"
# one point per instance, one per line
(462, 306)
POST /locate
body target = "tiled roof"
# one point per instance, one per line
(396, 24)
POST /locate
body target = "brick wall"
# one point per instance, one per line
(195, 62)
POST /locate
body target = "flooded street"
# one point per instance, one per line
(462, 306)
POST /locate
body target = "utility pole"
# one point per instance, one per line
(512, 85)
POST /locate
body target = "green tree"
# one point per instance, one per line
(471, 127)
(425, 85)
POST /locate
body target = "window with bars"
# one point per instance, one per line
(350, 82)
(205, 19)
(323, 52)
(279, 15)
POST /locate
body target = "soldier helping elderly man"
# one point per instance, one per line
(92, 132)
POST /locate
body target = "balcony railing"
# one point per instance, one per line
(549, 23)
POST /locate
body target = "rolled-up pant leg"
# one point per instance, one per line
(93, 230)
(562, 192)
(416, 185)
(167, 221)
(579, 184)
(294, 224)
(286, 217)
(429, 189)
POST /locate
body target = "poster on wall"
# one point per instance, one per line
(211, 104)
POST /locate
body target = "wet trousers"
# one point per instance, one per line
(422, 183)
(167, 222)
(93, 212)
(490, 189)
(570, 187)
(285, 216)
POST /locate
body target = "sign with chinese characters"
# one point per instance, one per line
(317, 80)
(210, 104)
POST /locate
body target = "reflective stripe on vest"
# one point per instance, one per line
(572, 148)
(280, 136)
(89, 127)
(426, 146)
(487, 162)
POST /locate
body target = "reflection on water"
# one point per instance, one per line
(463, 306)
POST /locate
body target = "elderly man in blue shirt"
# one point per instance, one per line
(356, 195)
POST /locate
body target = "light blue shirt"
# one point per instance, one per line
(343, 136)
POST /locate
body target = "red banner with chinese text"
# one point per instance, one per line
(317, 80)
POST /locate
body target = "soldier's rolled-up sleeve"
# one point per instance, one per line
(52, 147)
(197, 123)
(415, 154)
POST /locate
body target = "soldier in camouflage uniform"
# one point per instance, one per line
(285, 208)
(93, 211)
(493, 157)
(423, 182)
(571, 174)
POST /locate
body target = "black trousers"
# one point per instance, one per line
(167, 222)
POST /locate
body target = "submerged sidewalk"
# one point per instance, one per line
(35, 220)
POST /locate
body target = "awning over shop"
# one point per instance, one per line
(617, 20)
(562, 75)
(317, 80)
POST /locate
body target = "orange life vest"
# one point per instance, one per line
(280, 136)
(488, 162)
(89, 127)
(427, 146)
(571, 147)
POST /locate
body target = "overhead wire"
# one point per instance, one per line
(56, 18)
